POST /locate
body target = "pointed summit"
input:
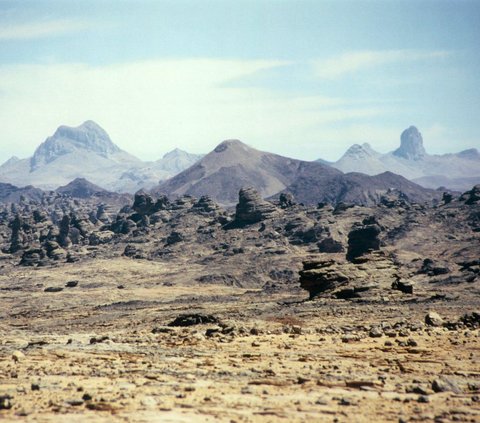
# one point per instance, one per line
(411, 145)
(89, 136)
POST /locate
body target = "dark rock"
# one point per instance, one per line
(362, 239)
(471, 197)
(175, 237)
(99, 340)
(447, 198)
(193, 319)
(286, 200)
(403, 286)
(342, 207)
(251, 208)
(6, 402)
(471, 320)
(330, 245)
(320, 276)
(143, 204)
(71, 284)
(53, 289)
(133, 252)
(33, 257)
(431, 269)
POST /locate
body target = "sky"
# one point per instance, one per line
(301, 78)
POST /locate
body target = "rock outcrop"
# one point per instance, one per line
(363, 238)
(411, 145)
(251, 208)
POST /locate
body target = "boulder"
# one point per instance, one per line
(330, 245)
(251, 208)
(101, 237)
(363, 238)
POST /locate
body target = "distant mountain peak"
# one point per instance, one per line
(177, 152)
(88, 136)
(411, 145)
(11, 160)
(232, 144)
(360, 152)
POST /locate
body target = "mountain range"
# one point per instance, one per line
(233, 165)
(88, 152)
(458, 171)
(83, 161)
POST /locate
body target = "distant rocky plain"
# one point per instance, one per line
(249, 287)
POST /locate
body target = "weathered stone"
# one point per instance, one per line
(362, 239)
(433, 319)
(251, 208)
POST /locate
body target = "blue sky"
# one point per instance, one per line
(300, 78)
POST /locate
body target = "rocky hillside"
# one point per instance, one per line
(455, 171)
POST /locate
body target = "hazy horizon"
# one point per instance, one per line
(304, 79)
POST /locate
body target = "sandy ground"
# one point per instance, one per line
(102, 351)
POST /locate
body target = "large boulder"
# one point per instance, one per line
(251, 208)
(364, 238)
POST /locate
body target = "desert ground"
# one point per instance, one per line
(222, 330)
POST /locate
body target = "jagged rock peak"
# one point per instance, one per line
(88, 136)
(411, 145)
(358, 151)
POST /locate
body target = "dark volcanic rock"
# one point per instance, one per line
(193, 319)
(251, 208)
(321, 275)
(329, 245)
(33, 257)
(472, 196)
(362, 239)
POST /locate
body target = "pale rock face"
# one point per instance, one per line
(411, 145)
(89, 136)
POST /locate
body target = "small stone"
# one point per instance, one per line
(5, 402)
(18, 356)
(375, 332)
(445, 385)
(433, 319)
(148, 402)
(35, 387)
(53, 289)
(423, 399)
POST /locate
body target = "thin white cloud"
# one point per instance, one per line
(355, 61)
(151, 107)
(34, 30)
